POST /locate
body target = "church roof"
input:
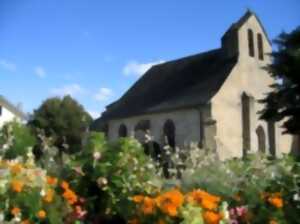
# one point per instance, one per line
(186, 82)
(182, 83)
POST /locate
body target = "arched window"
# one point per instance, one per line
(122, 131)
(260, 46)
(169, 133)
(141, 130)
(250, 43)
(246, 130)
(261, 137)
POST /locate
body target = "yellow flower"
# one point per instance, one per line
(170, 201)
(16, 168)
(15, 211)
(17, 185)
(49, 196)
(41, 214)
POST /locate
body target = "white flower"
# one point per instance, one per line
(102, 181)
(97, 155)
(296, 197)
(42, 193)
(1, 217)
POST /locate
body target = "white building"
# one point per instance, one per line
(9, 112)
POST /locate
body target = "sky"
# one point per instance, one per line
(95, 50)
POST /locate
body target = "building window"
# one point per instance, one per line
(0, 110)
(261, 137)
(141, 130)
(260, 46)
(272, 138)
(122, 131)
(169, 133)
(250, 43)
(246, 121)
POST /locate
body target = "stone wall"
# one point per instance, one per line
(247, 77)
(187, 125)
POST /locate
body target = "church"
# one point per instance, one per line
(210, 99)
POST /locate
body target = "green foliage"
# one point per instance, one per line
(107, 174)
(284, 100)
(64, 120)
(15, 140)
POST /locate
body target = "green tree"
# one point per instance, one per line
(64, 120)
(283, 102)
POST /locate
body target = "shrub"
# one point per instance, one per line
(106, 174)
(15, 140)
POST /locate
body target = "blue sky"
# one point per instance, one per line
(95, 50)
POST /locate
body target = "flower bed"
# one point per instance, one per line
(29, 195)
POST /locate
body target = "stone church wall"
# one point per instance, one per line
(186, 121)
(248, 78)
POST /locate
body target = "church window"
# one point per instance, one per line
(169, 133)
(250, 43)
(272, 138)
(260, 46)
(122, 131)
(141, 130)
(246, 130)
(261, 137)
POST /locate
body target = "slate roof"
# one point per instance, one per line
(186, 82)
(12, 108)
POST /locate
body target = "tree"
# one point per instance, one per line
(283, 102)
(64, 120)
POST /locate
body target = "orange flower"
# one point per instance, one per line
(15, 211)
(206, 200)
(273, 222)
(70, 196)
(17, 185)
(133, 221)
(16, 168)
(65, 185)
(25, 221)
(49, 196)
(208, 204)
(51, 180)
(276, 201)
(212, 217)
(138, 198)
(161, 221)
(170, 201)
(148, 206)
(41, 214)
